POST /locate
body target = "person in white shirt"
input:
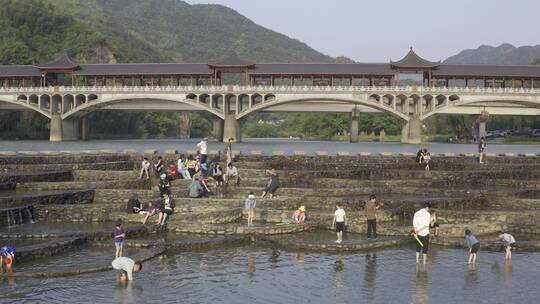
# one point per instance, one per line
(421, 221)
(126, 266)
(232, 173)
(145, 167)
(182, 168)
(510, 243)
(340, 221)
(203, 150)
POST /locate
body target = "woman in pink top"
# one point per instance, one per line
(299, 215)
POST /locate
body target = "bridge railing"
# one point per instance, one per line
(263, 89)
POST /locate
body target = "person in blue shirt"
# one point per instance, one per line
(7, 253)
(473, 244)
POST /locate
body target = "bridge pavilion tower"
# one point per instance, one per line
(411, 132)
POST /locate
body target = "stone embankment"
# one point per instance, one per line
(87, 188)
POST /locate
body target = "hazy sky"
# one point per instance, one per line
(380, 30)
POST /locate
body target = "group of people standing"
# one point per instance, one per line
(422, 222)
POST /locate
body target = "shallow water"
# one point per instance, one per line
(47, 227)
(85, 257)
(288, 146)
(252, 274)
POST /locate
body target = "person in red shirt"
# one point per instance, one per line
(172, 171)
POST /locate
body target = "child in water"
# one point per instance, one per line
(510, 243)
(473, 244)
(7, 253)
(119, 234)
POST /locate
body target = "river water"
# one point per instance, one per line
(252, 274)
(267, 146)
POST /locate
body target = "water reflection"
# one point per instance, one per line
(127, 291)
(420, 288)
(274, 257)
(300, 257)
(250, 265)
(339, 278)
(370, 275)
(471, 279)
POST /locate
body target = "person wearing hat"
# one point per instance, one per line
(299, 215)
(251, 203)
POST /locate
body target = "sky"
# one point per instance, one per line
(383, 30)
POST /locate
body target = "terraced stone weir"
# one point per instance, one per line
(58, 211)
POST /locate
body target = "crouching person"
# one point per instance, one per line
(126, 267)
(7, 255)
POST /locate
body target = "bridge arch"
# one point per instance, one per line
(456, 101)
(281, 101)
(101, 103)
(27, 106)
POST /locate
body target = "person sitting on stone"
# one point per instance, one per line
(164, 184)
(273, 183)
(427, 160)
(195, 188)
(217, 174)
(159, 166)
(167, 208)
(134, 205)
(151, 210)
(182, 168)
(232, 174)
(419, 156)
(172, 171)
(145, 168)
(191, 163)
(299, 215)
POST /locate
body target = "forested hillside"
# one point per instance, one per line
(189, 33)
(107, 31)
(502, 54)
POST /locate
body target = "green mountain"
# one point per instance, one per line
(502, 54)
(177, 31)
(37, 31)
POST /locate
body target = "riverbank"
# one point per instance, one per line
(265, 146)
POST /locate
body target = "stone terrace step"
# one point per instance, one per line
(48, 186)
(515, 204)
(347, 245)
(113, 165)
(102, 175)
(78, 158)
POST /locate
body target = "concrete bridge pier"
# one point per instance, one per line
(231, 129)
(84, 128)
(217, 125)
(60, 130)
(411, 132)
(482, 121)
(482, 129)
(55, 129)
(355, 115)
